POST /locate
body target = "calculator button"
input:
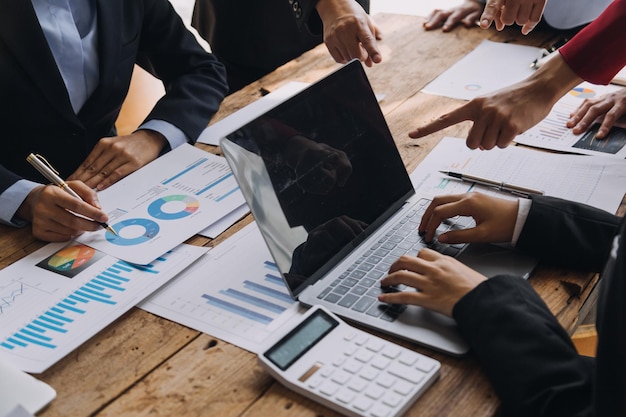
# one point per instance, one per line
(315, 381)
(403, 388)
(357, 384)
(353, 366)
(375, 345)
(385, 380)
(364, 356)
(361, 339)
(374, 392)
(404, 372)
(408, 358)
(391, 351)
(362, 404)
(392, 400)
(327, 371)
(350, 350)
(380, 410)
(369, 373)
(339, 360)
(340, 377)
(425, 365)
(345, 396)
(329, 388)
(380, 363)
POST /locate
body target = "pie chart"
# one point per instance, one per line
(173, 207)
(133, 232)
(582, 92)
(71, 257)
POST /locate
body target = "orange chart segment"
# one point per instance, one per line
(71, 257)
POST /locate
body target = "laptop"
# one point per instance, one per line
(332, 198)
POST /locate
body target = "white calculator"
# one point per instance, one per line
(347, 369)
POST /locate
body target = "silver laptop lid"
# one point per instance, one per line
(320, 172)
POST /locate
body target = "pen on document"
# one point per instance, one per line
(43, 166)
(499, 185)
(546, 54)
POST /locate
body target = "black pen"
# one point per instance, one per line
(43, 166)
(499, 185)
(548, 53)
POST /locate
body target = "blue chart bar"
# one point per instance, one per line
(278, 295)
(273, 277)
(54, 322)
(183, 172)
(223, 196)
(255, 301)
(214, 183)
(233, 308)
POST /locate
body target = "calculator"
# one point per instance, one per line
(346, 369)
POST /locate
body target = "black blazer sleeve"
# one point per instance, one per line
(566, 233)
(195, 82)
(526, 354)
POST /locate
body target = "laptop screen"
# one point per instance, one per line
(320, 172)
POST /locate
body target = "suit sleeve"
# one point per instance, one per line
(526, 354)
(597, 52)
(195, 81)
(569, 234)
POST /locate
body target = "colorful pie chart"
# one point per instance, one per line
(132, 232)
(173, 207)
(582, 92)
(71, 257)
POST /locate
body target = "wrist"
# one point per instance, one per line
(554, 79)
(26, 209)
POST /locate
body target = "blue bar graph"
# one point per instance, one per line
(234, 308)
(183, 172)
(214, 183)
(57, 320)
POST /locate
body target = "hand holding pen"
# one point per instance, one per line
(61, 213)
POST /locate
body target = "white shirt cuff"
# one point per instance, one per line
(11, 200)
(523, 208)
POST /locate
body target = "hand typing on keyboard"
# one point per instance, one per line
(442, 280)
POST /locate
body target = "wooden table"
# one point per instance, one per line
(145, 365)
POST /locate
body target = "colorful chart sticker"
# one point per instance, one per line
(173, 207)
(71, 260)
(582, 92)
(133, 232)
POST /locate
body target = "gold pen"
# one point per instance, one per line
(499, 185)
(43, 166)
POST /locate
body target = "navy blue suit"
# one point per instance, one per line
(35, 110)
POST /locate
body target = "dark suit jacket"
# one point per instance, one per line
(254, 37)
(523, 349)
(35, 110)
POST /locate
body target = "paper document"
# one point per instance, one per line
(552, 132)
(224, 223)
(58, 297)
(234, 293)
(212, 134)
(20, 390)
(489, 67)
(164, 203)
(596, 181)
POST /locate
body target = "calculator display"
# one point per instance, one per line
(291, 347)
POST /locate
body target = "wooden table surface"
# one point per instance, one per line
(145, 365)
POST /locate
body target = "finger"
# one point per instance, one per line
(609, 121)
(437, 202)
(489, 13)
(471, 19)
(367, 38)
(579, 113)
(436, 20)
(490, 134)
(533, 20)
(477, 132)
(523, 13)
(456, 116)
(403, 297)
(498, 20)
(452, 21)
(508, 13)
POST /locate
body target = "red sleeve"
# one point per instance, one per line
(598, 52)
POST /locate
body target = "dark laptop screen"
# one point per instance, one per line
(319, 172)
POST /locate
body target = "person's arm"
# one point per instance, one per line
(525, 13)
(466, 14)
(608, 109)
(195, 84)
(349, 32)
(498, 118)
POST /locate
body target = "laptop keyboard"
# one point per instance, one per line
(357, 287)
